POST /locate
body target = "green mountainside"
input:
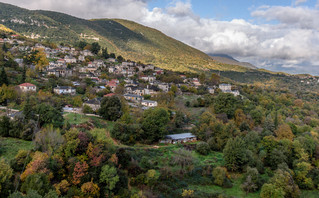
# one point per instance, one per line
(129, 39)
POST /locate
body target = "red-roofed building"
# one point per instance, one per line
(109, 95)
(113, 84)
(14, 36)
(1, 40)
(25, 87)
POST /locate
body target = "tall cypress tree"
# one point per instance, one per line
(3, 77)
(23, 74)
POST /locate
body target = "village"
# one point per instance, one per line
(136, 82)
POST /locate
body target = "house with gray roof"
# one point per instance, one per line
(179, 138)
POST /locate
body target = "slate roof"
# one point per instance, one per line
(180, 136)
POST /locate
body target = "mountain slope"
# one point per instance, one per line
(129, 39)
(226, 59)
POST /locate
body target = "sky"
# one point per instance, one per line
(279, 35)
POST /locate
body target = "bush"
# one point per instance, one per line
(220, 175)
(87, 109)
(202, 148)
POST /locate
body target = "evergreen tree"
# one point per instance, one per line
(5, 48)
(28, 109)
(3, 77)
(95, 48)
(24, 74)
(105, 54)
(111, 108)
(235, 154)
(112, 55)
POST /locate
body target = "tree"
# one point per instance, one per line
(28, 110)
(301, 175)
(3, 77)
(112, 55)
(269, 123)
(202, 78)
(202, 148)
(280, 185)
(38, 182)
(257, 115)
(152, 176)
(120, 59)
(5, 126)
(80, 170)
(38, 164)
(7, 93)
(284, 132)
(48, 140)
(215, 79)
(109, 177)
(251, 180)
(219, 174)
(41, 60)
(6, 173)
(187, 193)
(154, 124)
(5, 48)
(126, 133)
(226, 103)
(111, 108)
(77, 101)
(182, 158)
(82, 44)
(90, 189)
(235, 154)
(62, 187)
(24, 73)
(49, 115)
(105, 53)
(95, 48)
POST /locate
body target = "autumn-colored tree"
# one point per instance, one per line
(284, 132)
(215, 79)
(43, 95)
(90, 189)
(240, 117)
(95, 155)
(80, 170)
(37, 165)
(62, 187)
(41, 60)
(298, 103)
(188, 193)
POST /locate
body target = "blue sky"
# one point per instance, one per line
(279, 35)
(229, 9)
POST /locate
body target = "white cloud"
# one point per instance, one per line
(300, 2)
(88, 9)
(289, 42)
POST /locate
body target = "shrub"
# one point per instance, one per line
(202, 148)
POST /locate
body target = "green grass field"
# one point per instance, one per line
(235, 191)
(75, 119)
(9, 147)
